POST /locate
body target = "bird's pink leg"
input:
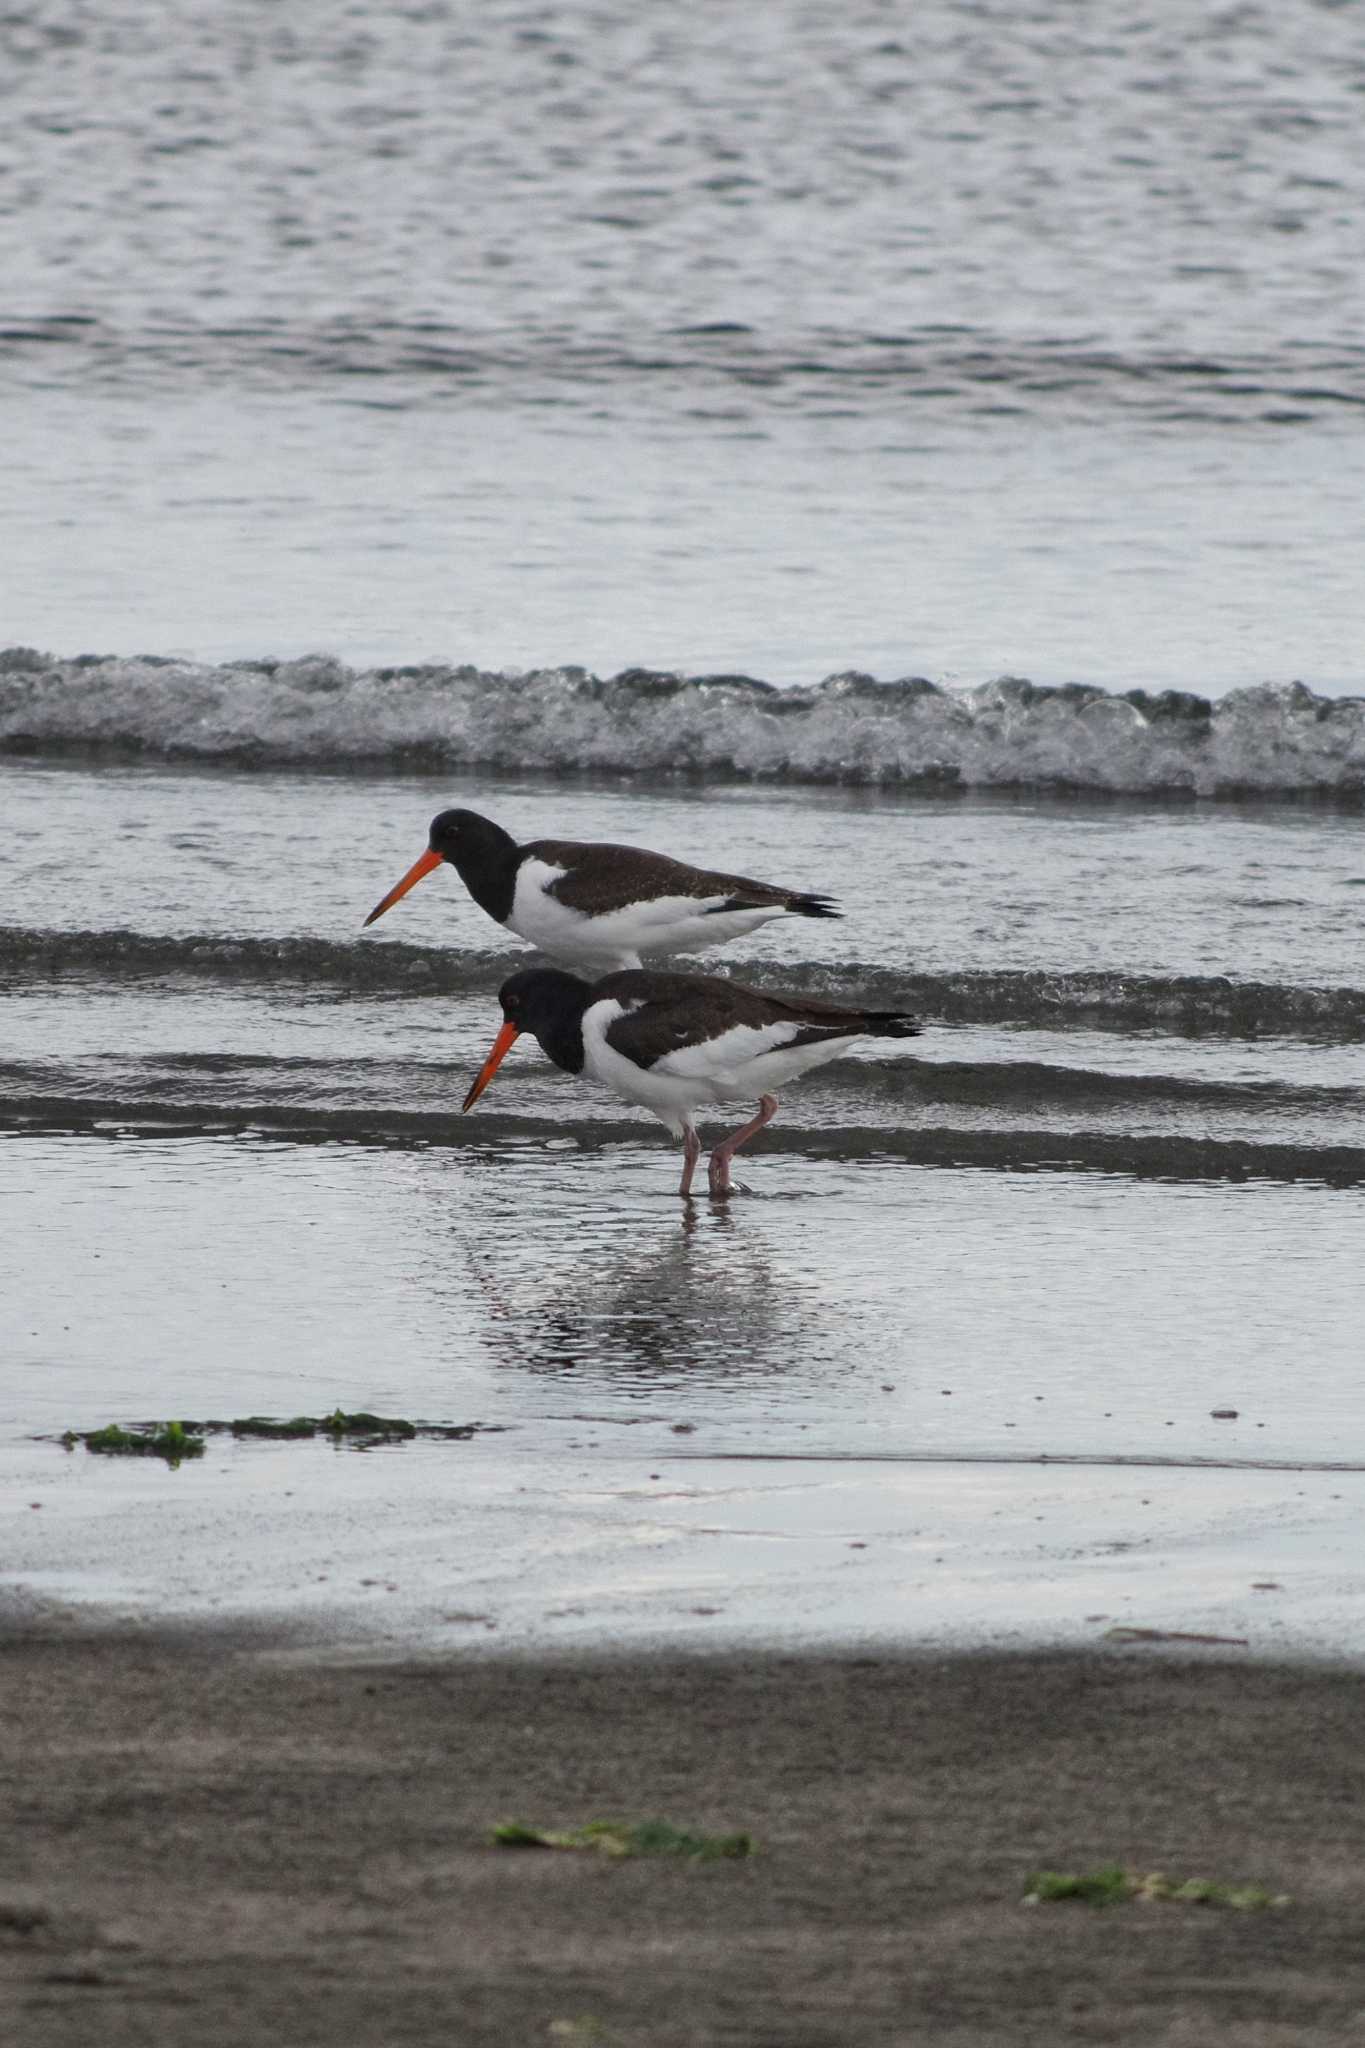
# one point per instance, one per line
(718, 1166)
(691, 1154)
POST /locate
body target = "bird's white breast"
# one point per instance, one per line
(670, 1097)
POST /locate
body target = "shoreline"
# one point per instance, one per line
(218, 1840)
(535, 1539)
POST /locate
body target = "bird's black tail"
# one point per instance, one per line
(891, 1024)
(813, 906)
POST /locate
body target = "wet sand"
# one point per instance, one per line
(218, 1840)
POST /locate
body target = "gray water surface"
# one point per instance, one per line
(842, 1309)
(953, 340)
(874, 1403)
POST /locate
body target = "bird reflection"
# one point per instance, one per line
(697, 1296)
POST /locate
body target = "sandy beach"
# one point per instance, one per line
(217, 1841)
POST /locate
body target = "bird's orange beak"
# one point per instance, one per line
(502, 1045)
(430, 859)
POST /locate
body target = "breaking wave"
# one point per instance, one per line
(1272, 740)
(1217, 1005)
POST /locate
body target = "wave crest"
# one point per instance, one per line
(1097, 1000)
(851, 728)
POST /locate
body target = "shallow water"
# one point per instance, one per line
(1256, 892)
(871, 1402)
(843, 1309)
(192, 952)
(1106, 1193)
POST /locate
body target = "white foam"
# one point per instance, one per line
(849, 729)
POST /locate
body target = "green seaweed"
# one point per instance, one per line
(362, 1423)
(263, 1425)
(176, 1440)
(1112, 1884)
(168, 1440)
(617, 1838)
(1104, 1887)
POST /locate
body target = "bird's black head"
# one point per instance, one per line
(549, 1004)
(484, 856)
(451, 830)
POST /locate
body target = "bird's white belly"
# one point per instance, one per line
(666, 1096)
(741, 1063)
(663, 924)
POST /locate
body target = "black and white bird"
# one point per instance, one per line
(598, 906)
(671, 1042)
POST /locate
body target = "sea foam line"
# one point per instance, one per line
(1008, 734)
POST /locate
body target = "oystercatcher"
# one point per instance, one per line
(672, 1041)
(597, 906)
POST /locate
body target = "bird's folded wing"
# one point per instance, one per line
(603, 878)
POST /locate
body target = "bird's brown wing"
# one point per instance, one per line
(666, 1012)
(603, 878)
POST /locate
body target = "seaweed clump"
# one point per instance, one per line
(267, 1426)
(1112, 1885)
(361, 1429)
(169, 1440)
(341, 1422)
(379, 1428)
